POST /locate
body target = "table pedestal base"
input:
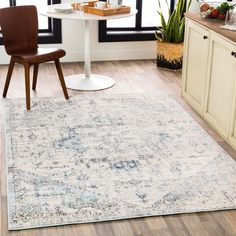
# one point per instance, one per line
(93, 83)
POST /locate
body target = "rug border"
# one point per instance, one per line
(7, 144)
(119, 219)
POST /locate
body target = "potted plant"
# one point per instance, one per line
(170, 36)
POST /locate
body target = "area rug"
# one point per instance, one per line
(108, 157)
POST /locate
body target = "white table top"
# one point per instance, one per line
(75, 15)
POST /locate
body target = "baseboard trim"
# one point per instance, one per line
(100, 55)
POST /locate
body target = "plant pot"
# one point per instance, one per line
(169, 55)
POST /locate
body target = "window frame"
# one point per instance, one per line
(46, 36)
(137, 33)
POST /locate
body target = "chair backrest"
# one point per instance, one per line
(19, 26)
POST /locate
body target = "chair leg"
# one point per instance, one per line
(61, 77)
(8, 79)
(36, 69)
(27, 85)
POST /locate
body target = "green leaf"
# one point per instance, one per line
(163, 21)
(181, 30)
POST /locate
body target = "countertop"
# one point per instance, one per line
(213, 25)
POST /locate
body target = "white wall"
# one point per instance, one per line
(72, 42)
(194, 7)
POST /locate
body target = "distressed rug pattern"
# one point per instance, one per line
(108, 157)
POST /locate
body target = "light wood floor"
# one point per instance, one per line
(131, 77)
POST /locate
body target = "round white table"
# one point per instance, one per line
(86, 81)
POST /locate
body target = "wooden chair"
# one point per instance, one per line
(19, 26)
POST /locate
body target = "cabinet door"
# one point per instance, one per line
(220, 83)
(232, 130)
(196, 50)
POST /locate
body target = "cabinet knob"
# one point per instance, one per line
(205, 37)
(233, 53)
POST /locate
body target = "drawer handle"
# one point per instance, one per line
(205, 37)
(233, 54)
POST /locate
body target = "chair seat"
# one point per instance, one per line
(40, 55)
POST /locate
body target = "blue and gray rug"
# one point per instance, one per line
(109, 157)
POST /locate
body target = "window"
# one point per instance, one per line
(49, 29)
(136, 28)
